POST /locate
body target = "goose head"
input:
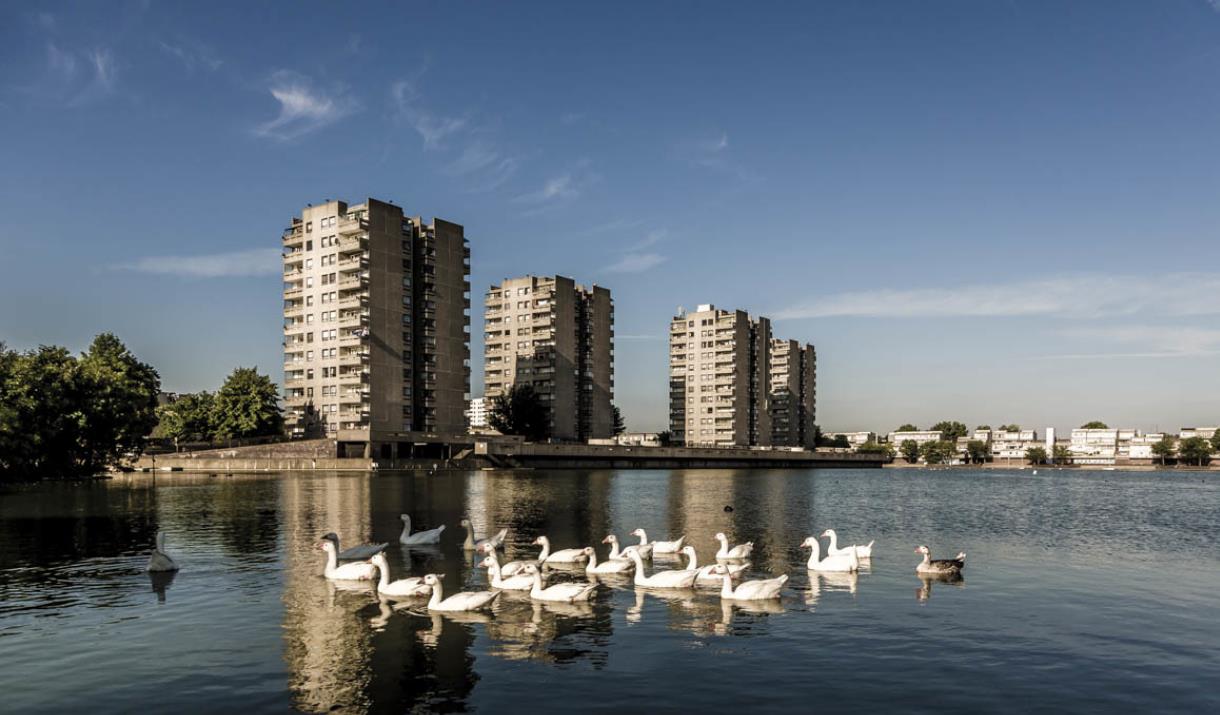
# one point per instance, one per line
(720, 570)
(610, 539)
(486, 549)
(827, 534)
(587, 551)
(488, 562)
(540, 541)
(326, 545)
(406, 519)
(809, 542)
(688, 550)
(332, 537)
(638, 532)
(465, 523)
(378, 560)
(721, 537)
(923, 550)
(432, 579)
(530, 569)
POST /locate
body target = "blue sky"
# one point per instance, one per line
(985, 211)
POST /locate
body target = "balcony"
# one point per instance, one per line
(354, 279)
(352, 244)
(292, 258)
(351, 338)
(354, 319)
(293, 311)
(354, 300)
(353, 358)
(293, 292)
(349, 226)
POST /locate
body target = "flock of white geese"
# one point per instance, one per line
(367, 562)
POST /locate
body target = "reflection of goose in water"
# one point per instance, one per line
(431, 536)
(924, 592)
(355, 553)
(159, 561)
(828, 582)
(354, 571)
(848, 562)
(403, 587)
(494, 541)
(862, 552)
(708, 575)
(385, 610)
(464, 601)
(160, 581)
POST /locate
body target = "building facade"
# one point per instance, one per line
(855, 439)
(557, 336)
(476, 416)
(793, 399)
(719, 375)
(376, 325)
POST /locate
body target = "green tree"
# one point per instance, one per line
(1062, 454)
(121, 401)
(520, 411)
(839, 441)
(983, 427)
(950, 430)
(910, 450)
(908, 427)
(665, 438)
(1164, 448)
(1195, 450)
(247, 405)
(619, 427)
(1010, 428)
(1036, 455)
(1216, 441)
(187, 418)
(976, 451)
(937, 452)
(1095, 424)
(873, 447)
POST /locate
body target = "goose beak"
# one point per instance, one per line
(606, 540)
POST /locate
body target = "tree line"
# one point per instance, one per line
(246, 405)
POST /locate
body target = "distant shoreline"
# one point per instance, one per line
(899, 464)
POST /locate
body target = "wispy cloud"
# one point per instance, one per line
(636, 263)
(235, 264)
(433, 128)
(103, 68)
(1068, 296)
(60, 63)
(651, 238)
(303, 108)
(1146, 341)
(557, 187)
(192, 55)
(485, 165)
(711, 151)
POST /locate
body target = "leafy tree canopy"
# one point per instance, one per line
(937, 452)
(908, 427)
(247, 405)
(1095, 424)
(910, 450)
(1036, 455)
(950, 430)
(619, 426)
(1195, 450)
(520, 411)
(1010, 428)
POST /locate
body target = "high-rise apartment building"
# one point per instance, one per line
(376, 325)
(719, 378)
(557, 336)
(793, 401)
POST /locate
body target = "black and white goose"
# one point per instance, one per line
(939, 566)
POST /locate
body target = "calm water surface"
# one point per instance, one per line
(1084, 592)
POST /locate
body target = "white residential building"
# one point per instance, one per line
(1204, 432)
(1013, 444)
(477, 414)
(897, 438)
(855, 439)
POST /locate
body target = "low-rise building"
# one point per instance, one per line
(855, 439)
(920, 437)
(1013, 444)
(1204, 432)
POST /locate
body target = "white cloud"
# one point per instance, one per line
(1071, 296)
(303, 109)
(432, 128)
(483, 162)
(558, 187)
(1147, 341)
(235, 264)
(103, 66)
(636, 263)
(652, 238)
(192, 55)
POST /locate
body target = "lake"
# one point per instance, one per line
(1083, 591)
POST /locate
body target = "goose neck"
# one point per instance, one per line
(437, 596)
(546, 548)
(469, 544)
(406, 527)
(726, 590)
(643, 538)
(694, 562)
(834, 541)
(332, 559)
(383, 578)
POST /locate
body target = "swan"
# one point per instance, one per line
(464, 601)
(661, 579)
(518, 582)
(512, 568)
(739, 551)
(710, 575)
(610, 566)
(559, 593)
(419, 538)
(495, 541)
(864, 552)
(615, 554)
(403, 587)
(563, 556)
(657, 547)
(759, 590)
(362, 552)
(939, 566)
(847, 563)
(353, 571)
(159, 560)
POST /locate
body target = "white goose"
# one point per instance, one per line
(352, 571)
(512, 568)
(617, 555)
(159, 560)
(471, 544)
(647, 548)
(611, 566)
(563, 556)
(863, 552)
(355, 553)
(570, 592)
(739, 551)
(759, 590)
(710, 575)
(464, 601)
(419, 538)
(403, 587)
(661, 579)
(518, 582)
(848, 562)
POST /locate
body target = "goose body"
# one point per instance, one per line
(739, 551)
(759, 590)
(419, 538)
(512, 568)
(930, 565)
(662, 579)
(863, 552)
(403, 587)
(559, 593)
(494, 541)
(159, 561)
(464, 601)
(843, 563)
(648, 548)
(610, 566)
(563, 556)
(351, 571)
(362, 552)
(711, 575)
(517, 582)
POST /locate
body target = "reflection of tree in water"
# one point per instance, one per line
(246, 516)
